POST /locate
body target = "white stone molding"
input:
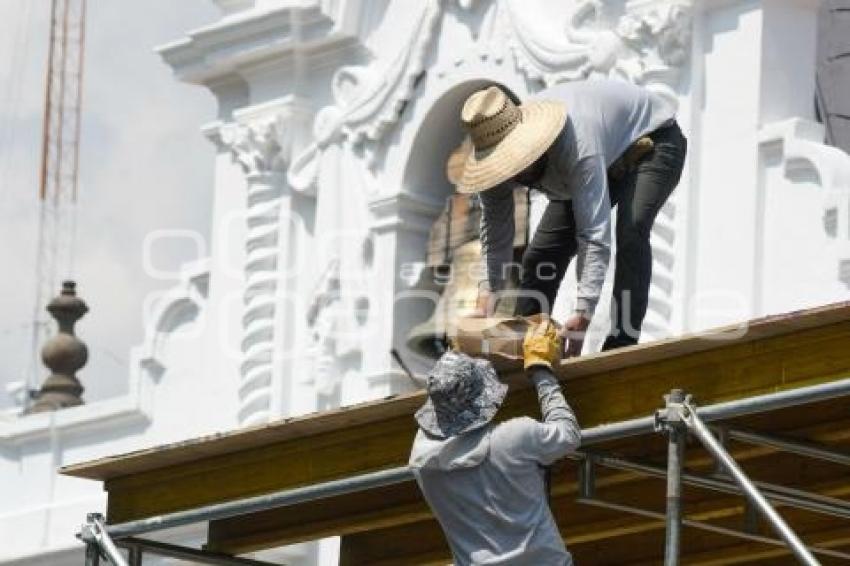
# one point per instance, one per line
(659, 312)
(232, 6)
(184, 302)
(399, 227)
(405, 212)
(105, 415)
(804, 159)
(250, 36)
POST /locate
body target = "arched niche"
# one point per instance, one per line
(432, 129)
(438, 134)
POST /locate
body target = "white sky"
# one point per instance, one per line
(143, 165)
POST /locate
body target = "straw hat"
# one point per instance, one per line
(503, 138)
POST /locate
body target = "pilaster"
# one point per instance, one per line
(261, 142)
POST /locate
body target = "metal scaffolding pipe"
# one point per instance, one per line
(727, 410)
(185, 553)
(677, 435)
(778, 494)
(775, 401)
(702, 432)
(262, 502)
(705, 526)
(98, 541)
(791, 446)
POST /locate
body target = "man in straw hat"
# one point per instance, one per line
(485, 483)
(588, 145)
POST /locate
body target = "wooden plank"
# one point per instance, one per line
(635, 361)
(261, 470)
(715, 375)
(395, 506)
(777, 353)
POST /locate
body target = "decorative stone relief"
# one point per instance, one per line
(644, 46)
(805, 159)
(334, 334)
(259, 148)
(322, 321)
(367, 99)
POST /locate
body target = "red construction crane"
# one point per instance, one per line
(57, 191)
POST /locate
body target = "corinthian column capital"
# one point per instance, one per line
(258, 146)
(262, 138)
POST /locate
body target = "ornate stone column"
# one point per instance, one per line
(64, 354)
(261, 142)
(257, 149)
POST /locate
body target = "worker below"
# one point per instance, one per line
(485, 483)
(587, 145)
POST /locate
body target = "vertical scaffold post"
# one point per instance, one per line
(669, 421)
(98, 543)
(92, 554)
(134, 556)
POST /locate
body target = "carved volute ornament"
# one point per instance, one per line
(64, 354)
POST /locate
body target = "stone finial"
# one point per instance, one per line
(64, 354)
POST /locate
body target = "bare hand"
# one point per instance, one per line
(573, 332)
(485, 305)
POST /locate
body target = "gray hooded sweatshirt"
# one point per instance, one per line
(487, 488)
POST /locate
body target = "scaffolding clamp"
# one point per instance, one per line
(674, 415)
(98, 542)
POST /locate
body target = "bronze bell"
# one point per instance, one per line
(459, 284)
(455, 268)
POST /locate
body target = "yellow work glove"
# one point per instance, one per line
(542, 345)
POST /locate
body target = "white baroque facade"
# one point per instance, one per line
(334, 124)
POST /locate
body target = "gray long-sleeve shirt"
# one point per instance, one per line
(487, 488)
(604, 117)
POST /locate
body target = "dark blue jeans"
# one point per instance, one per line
(639, 194)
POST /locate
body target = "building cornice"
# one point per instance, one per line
(100, 415)
(252, 37)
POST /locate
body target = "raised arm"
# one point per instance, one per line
(559, 434)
